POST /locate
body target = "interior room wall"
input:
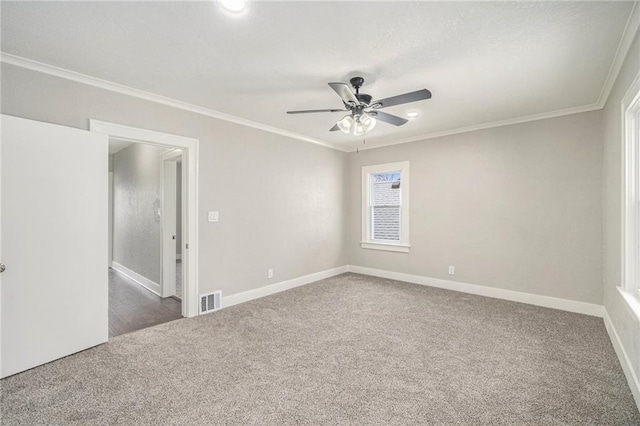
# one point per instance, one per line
(625, 323)
(515, 207)
(137, 228)
(282, 202)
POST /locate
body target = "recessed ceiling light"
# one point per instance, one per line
(235, 6)
(413, 114)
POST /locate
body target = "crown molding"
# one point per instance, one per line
(631, 28)
(629, 33)
(501, 123)
(141, 94)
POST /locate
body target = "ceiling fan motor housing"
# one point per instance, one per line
(357, 82)
(364, 98)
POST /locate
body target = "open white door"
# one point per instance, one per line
(168, 228)
(54, 242)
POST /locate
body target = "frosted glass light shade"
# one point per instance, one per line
(358, 129)
(345, 123)
(363, 124)
(368, 122)
(358, 126)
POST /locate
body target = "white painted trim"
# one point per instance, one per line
(168, 191)
(632, 301)
(130, 91)
(134, 134)
(474, 128)
(497, 293)
(267, 290)
(110, 225)
(630, 211)
(142, 280)
(629, 33)
(190, 149)
(401, 248)
(625, 362)
(115, 87)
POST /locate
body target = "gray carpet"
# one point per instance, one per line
(346, 350)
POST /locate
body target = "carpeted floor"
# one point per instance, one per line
(346, 350)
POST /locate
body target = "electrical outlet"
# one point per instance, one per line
(452, 270)
(213, 216)
(270, 273)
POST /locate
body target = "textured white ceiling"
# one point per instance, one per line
(483, 61)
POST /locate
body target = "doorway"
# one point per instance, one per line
(143, 231)
(179, 153)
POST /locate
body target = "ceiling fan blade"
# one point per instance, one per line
(418, 95)
(334, 128)
(343, 90)
(307, 111)
(388, 118)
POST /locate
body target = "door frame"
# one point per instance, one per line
(169, 203)
(190, 247)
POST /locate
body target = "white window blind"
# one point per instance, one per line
(386, 202)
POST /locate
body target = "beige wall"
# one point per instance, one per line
(516, 207)
(626, 325)
(281, 201)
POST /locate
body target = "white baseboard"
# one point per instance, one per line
(143, 281)
(627, 367)
(497, 293)
(267, 290)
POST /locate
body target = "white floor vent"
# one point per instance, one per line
(210, 302)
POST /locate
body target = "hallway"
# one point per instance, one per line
(132, 307)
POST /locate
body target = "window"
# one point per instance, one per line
(385, 207)
(631, 247)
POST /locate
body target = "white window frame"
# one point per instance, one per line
(630, 288)
(367, 241)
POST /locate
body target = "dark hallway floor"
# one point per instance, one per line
(132, 307)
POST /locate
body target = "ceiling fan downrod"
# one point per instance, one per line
(357, 83)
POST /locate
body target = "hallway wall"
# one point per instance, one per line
(137, 228)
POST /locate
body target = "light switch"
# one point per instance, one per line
(213, 216)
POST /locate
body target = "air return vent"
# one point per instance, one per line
(210, 302)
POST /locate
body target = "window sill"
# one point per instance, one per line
(402, 248)
(633, 301)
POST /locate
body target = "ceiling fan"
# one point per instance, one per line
(362, 112)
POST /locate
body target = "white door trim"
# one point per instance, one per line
(110, 259)
(169, 228)
(189, 147)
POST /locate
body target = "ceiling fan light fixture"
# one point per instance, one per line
(235, 6)
(357, 122)
(358, 129)
(345, 123)
(368, 122)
